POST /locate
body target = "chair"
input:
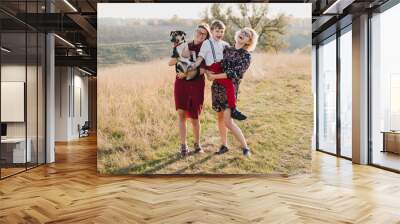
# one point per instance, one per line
(84, 130)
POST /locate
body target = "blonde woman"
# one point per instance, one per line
(235, 63)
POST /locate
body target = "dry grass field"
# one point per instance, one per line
(138, 131)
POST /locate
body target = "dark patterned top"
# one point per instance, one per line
(234, 64)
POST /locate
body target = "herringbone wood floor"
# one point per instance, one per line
(70, 191)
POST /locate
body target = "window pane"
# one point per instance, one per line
(386, 89)
(346, 93)
(327, 96)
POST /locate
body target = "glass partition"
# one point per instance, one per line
(22, 77)
(14, 153)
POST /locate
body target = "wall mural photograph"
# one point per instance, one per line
(204, 88)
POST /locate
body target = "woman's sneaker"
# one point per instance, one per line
(184, 150)
(246, 152)
(235, 114)
(197, 148)
(223, 149)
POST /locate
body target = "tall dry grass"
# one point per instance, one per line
(138, 123)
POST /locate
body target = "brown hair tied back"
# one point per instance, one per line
(206, 27)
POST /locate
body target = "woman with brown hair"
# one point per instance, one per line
(189, 94)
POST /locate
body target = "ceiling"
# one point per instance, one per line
(328, 16)
(74, 22)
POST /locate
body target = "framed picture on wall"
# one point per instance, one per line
(204, 88)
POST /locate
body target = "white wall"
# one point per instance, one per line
(17, 73)
(80, 83)
(62, 82)
(70, 83)
(12, 73)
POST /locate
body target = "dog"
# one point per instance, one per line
(183, 64)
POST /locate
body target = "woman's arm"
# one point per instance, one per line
(197, 63)
(232, 73)
(212, 76)
(201, 56)
(219, 76)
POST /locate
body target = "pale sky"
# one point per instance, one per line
(187, 10)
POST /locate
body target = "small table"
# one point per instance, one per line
(391, 141)
(13, 150)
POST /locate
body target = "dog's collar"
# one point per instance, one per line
(176, 45)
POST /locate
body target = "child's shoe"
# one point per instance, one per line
(235, 114)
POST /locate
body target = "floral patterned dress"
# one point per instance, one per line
(234, 64)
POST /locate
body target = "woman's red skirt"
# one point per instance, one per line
(189, 96)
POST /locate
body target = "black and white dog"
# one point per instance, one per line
(183, 64)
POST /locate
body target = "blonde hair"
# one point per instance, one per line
(253, 39)
(217, 24)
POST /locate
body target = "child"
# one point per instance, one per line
(211, 52)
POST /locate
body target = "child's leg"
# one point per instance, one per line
(230, 91)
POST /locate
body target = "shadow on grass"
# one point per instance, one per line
(191, 166)
(150, 166)
(153, 166)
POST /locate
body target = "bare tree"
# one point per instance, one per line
(256, 16)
